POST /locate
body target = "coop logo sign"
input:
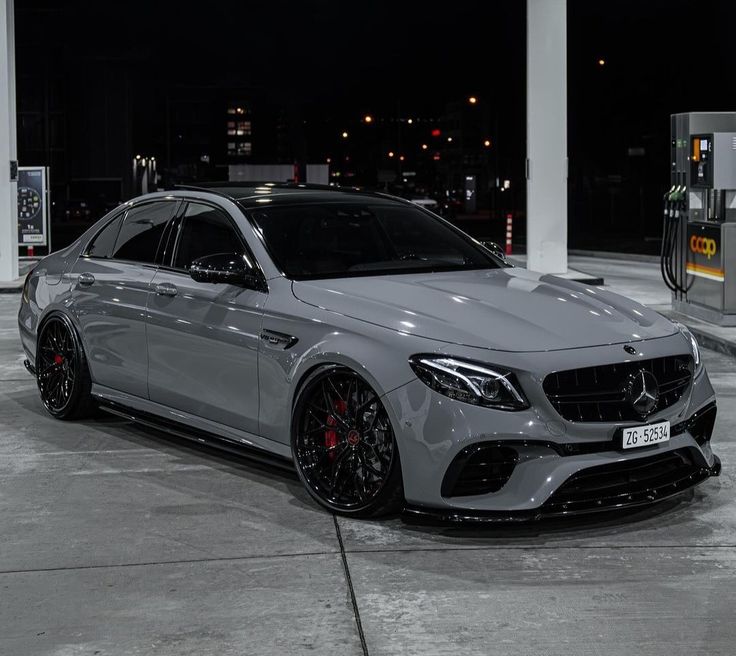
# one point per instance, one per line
(703, 246)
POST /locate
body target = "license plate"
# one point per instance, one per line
(637, 436)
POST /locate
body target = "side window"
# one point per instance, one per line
(141, 232)
(205, 231)
(104, 241)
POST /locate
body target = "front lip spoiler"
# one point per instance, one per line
(424, 514)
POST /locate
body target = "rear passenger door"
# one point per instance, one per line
(203, 338)
(112, 282)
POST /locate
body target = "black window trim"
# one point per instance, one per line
(124, 213)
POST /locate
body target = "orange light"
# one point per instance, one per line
(601, 62)
(472, 100)
(368, 118)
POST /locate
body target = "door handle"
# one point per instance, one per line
(166, 289)
(85, 279)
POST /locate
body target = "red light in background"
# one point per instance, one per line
(436, 132)
(436, 157)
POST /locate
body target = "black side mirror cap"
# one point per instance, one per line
(229, 269)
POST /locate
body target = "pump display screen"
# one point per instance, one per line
(701, 165)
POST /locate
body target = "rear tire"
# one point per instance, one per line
(62, 372)
(344, 446)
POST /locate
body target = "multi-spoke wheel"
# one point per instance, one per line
(61, 370)
(343, 445)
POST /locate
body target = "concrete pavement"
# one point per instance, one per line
(117, 540)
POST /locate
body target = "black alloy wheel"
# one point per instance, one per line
(61, 370)
(344, 446)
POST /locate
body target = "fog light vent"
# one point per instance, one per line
(479, 469)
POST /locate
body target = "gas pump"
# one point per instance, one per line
(698, 259)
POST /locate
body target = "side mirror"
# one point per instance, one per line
(227, 268)
(495, 249)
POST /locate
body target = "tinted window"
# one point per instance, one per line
(204, 231)
(102, 244)
(335, 239)
(141, 232)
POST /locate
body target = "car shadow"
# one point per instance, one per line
(676, 511)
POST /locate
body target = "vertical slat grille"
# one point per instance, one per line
(598, 394)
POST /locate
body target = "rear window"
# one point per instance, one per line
(104, 241)
(141, 232)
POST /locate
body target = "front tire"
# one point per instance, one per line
(344, 447)
(61, 370)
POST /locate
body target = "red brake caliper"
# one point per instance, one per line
(58, 359)
(331, 435)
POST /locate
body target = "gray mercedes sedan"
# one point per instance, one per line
(396, 362)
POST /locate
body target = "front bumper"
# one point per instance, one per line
(433, 431)
(559, 505)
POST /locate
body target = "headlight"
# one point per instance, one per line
(470, 382)
(693, 345)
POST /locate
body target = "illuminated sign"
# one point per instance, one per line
(703, 245)
(32, 206)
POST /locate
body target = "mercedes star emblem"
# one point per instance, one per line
(642, 392)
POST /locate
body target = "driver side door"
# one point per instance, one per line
(203, 337)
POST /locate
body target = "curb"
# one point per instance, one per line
(712, 342)
(705, 339)
(626, 257)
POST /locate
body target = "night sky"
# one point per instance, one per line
(339, 60)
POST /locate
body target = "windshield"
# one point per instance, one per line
(335, 240)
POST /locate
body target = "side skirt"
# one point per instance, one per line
(196, 430)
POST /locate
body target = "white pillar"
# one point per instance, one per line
(546, 101)
(8, 148)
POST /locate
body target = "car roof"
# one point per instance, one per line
(249, 194)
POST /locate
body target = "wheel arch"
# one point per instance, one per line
(337, 360)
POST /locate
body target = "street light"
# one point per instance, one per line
(487, 143)
(424, 146)
(344, 135)
(472, 100)
(390, 153)
(601, 62)
(410, 121)
(368, 118)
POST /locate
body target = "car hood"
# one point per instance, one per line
(502, 309)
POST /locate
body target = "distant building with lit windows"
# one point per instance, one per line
(239, 131)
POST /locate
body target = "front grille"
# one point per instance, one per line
(479, 469)
(626, 483)
(598, 393)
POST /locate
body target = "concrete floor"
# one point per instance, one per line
(117, 540)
